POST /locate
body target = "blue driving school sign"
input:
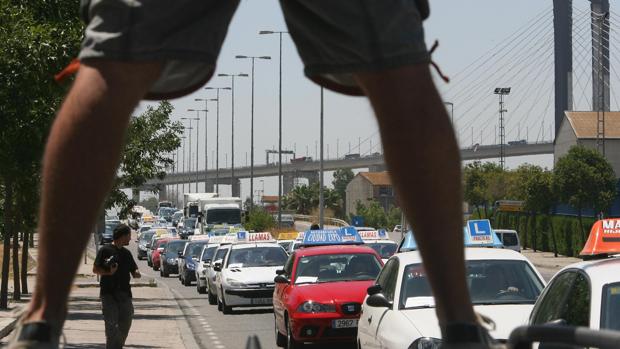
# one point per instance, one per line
(345, 235)
(480, 231)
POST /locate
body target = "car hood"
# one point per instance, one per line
(251, 275)
(338, 292)
(506, 317)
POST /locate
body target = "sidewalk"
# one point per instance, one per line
(158, 321)
(546, 260)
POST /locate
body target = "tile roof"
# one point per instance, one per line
(584, 123)
(377, 178)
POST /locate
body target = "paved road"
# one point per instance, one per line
(211, 328)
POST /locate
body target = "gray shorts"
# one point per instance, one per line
(335, 38)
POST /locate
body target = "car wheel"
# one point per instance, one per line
(219, 304)
(202, 290)
(212, 297)
(291, 343)
(155, 267)
(226, 309)
(148, 262)
(163, 272)
(280, 338)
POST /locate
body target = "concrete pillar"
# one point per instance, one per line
(210, 186)
(135, 195)
(563, 52)
(312, 177)
(600, 54)
(163, 195)
(236, 187)
(288, 180)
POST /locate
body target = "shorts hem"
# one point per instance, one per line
(315, 72)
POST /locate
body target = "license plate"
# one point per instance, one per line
(344, 323)
(262, 301)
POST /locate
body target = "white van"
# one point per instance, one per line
(509, 238)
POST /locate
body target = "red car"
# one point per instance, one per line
(319, 293)
(160, 245)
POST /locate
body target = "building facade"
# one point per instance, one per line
(370, 186)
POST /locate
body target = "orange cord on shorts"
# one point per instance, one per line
(69, 70)
(443, 77)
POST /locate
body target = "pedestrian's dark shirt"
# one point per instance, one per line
(119, 281)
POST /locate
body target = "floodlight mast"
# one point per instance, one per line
(502, 91)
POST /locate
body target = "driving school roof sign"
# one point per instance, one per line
(373, 234)
(604, 238)
(342, 236)
(479, 233)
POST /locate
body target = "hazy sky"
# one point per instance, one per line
(468, 31)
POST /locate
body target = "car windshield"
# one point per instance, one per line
(189, 223)
(337, 267)
(194, 249)
(175, 246)
(490, 282)
(384, 249)
(248, 257)
(166, 212)
(218, 232)
(145, 228)
(177, 215)
(610, 309)
(220, 216)
(208, 254)
(146, 236)
(510, 239)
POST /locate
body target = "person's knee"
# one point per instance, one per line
(120, 78)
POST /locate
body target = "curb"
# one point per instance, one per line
(133, 284)
(183, 324)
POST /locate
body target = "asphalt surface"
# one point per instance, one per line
(213, 329)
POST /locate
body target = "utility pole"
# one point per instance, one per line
(321, 191)
(217, 135)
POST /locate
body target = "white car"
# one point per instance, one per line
(586, 293)
(204, 271)
(245, 276)
(399, 311)
(380, 241)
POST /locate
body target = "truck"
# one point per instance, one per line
(191, 203)
(219, 211)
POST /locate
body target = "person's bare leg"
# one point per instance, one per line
(424, 163)
(79, 165)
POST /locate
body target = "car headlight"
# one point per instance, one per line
(426, 343)
(172, 261)
(312, 307)
(235, 283)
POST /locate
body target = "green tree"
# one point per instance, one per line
(474, 186)
(151, 139)
(342, 178)
(376, 217)
(539, 198)
(300, 199)
(37, 39)
(150, 204)
(584, 178)
(258, 219)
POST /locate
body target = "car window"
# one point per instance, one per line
(387, 279)
(578, 304)
(553, 301)
(510, 239)
(194, 249)
(220, 254)
(208, 253)
(384, 249)
(175, 246)
(337, 267)
(288, 267)
(610, 309)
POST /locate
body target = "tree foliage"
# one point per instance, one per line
(259, 219)
(303, 199)
(375, 216)
(151, 139)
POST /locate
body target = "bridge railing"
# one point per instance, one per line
(327, 220)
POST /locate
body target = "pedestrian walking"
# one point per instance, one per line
(115, 264)
(157, 49)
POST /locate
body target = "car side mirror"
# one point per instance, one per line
(281, 279)
(374, 289)
(378, 300)
(217, 266)
(280, 272)
(180, 254)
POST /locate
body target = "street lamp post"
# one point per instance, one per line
(264, 32)
(252, 125)
(232, 137)
(183, 162)
(217, 135)
(206, 100)
(189, 159)
(197, 118)
(321, 191)
(176, 165)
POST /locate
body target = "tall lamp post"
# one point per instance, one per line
(206, 100)
(183, 162)
(502, 91)
(321, 191)
(197, 118)
(252, 125)
(217, 135)
(232, 127)
(267, 32)
(189, 155)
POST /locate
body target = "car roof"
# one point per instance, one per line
(382, 241)
(254, 244)
(471, 253)
(333, 249)
(600, 272)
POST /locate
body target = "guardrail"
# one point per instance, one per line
(327, 220)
